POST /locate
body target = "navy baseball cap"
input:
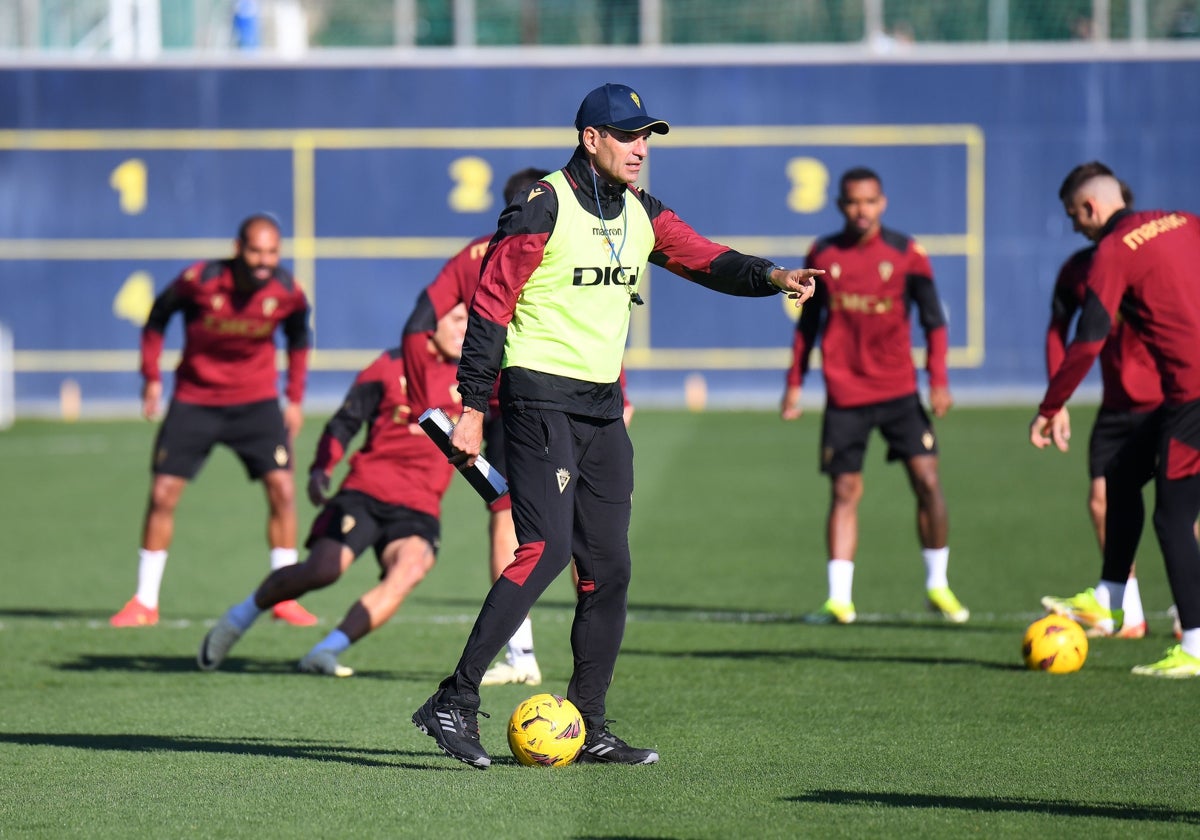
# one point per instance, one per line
(617, 106)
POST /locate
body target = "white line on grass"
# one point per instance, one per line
(563, 616)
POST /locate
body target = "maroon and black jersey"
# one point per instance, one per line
(397, 463)
(229, 336)
(1131, 381)
(860, 311)
(1145, 267)
(517, 250)
(454, 284)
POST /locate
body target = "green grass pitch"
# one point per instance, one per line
(898, 726)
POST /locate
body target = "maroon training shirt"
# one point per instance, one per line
(861, 312)
(1131, 381)
(229, 336)
(1145, 265)
(397, 464)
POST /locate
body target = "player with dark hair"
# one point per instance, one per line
(1144, 269)
(454, 284)
(226, 393)
(550, 317)
(1131, 393)
(861, 313)
(390, 499)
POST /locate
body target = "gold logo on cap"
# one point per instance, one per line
(636, 100)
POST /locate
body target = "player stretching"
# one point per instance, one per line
(226, 393)
(391, 498)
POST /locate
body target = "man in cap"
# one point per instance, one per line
(551, 315)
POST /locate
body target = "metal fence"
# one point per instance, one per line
(148, 29)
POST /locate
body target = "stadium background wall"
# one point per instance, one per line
(111, 180)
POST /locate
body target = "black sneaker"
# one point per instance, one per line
(452, 723)
(603, 747)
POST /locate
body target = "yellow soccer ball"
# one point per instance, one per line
(1056, 644)
(546, 730)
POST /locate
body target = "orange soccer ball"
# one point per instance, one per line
(1056, 644)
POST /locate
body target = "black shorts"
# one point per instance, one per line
(902, 422)
(1111, 432)
(357, 521)
(493, 450)
(254, 431)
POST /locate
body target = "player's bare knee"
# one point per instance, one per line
(847, 490)
(165, 494)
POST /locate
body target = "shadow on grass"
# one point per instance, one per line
(47, 614)
(823, 655)
(993, 804)
(152, 664)
(287, 748)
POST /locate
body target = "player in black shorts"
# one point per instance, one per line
(254, 432)
(879, 278)
(390, 499)
(226, 393)
(903, 423)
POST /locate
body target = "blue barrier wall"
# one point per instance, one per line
(112, 180)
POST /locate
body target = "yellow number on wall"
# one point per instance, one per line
(129, 180)
(134, 299)
(472, 177)
(810, 181)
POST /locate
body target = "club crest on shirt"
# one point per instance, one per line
(218, 302)
(269, 305)
(348, 523)
(885, 271)
(564, 477)
(835, 271)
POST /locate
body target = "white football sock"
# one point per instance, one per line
(1131, 602)
(243, 615)
(336, 641)
(151, 565)
(936, 562)
(1191, 642)
(521, 643)
(841, 580)
(1109, 593)
(281, 557)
